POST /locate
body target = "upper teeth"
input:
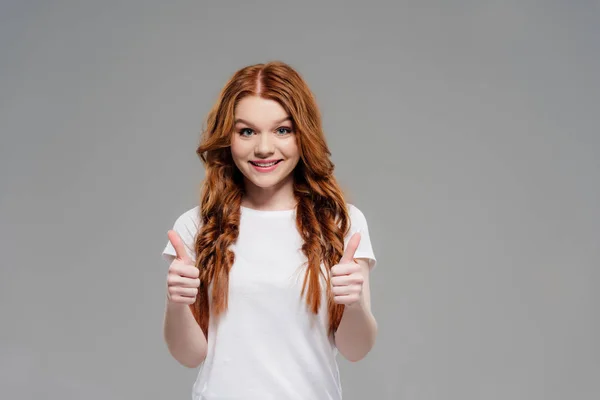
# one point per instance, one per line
(266, 165)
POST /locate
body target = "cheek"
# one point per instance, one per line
(238, 149)
(290, 150)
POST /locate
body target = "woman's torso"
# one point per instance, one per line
(268, 345)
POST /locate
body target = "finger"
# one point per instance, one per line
(353, 243)
(183, 291)
(175, 280)
(346, 299)
(346, 280)
(340, 290)
(354, 288)
(179, 247)
(185, 270)
(345, 269)
(182, 299)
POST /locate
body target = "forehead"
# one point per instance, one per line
(259, 111)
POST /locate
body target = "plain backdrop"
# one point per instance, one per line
(466, 131)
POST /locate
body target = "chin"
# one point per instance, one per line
(265, 183)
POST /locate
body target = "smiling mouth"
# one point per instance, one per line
(264, 165)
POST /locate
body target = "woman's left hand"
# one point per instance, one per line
(346, 277)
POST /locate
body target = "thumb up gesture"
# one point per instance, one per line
(182, 279)
(346, 277)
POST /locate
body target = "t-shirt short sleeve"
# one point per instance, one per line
(358, 223)
(186, 225)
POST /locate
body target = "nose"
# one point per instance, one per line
(265, 145)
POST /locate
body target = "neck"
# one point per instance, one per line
(279, 197)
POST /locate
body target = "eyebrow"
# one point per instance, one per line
(252, 125)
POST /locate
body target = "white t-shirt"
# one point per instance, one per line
(268, 344)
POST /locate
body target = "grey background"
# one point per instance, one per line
(466, 131)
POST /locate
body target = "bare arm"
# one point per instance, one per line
(184, 337)
(185, 340)
(357, 331)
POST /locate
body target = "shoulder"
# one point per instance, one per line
(191, 216)
(352, 209)
(358, 223)
(187, 226)
(188, 222)
(357, 217)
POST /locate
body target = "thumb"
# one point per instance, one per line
(353, 243)
(179, 247)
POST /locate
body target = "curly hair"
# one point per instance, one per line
(322, 217)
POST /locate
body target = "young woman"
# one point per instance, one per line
(269, 275)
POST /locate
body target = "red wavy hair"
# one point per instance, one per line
(322, 217)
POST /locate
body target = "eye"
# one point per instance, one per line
(285, 130)
(243, 132)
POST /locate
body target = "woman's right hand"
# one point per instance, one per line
(183, 277)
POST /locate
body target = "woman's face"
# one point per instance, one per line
(263, 144)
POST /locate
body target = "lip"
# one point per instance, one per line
(266, 161)
(265, 169)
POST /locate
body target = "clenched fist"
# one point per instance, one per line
(346, 276)
(182, 279)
